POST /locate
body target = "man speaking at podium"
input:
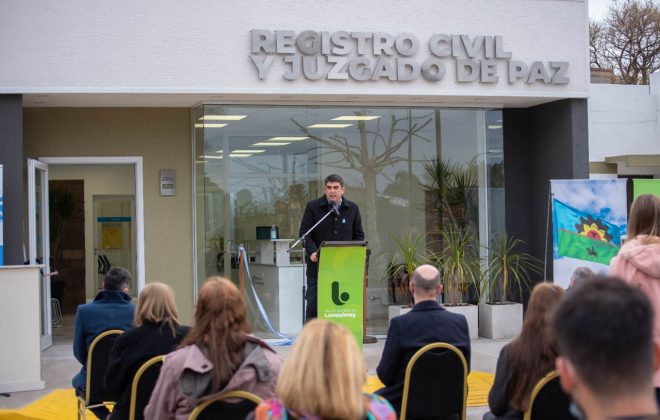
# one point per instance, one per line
(344, 224)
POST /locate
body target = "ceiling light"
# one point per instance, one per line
(222, 117)
(287, 138)
(209, 125)
(247, 151)
(200, 161)
(356, 118)
(210, 157)
(494, 126)
(329, 125)
(240, 154)
(272, 143)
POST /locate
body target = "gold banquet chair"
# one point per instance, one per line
(219, 408)
(143, 385)
(97, 363)
(548, 400)
(435, 384)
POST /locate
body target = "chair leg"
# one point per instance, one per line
(56, 312)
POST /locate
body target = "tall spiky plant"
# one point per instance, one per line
(407, 258)
(508, 267)
(458, 262)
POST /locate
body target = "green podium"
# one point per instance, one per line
(342, 272)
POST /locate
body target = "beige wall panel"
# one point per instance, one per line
(162, 137)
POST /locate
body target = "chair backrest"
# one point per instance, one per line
(548, 400)
(97, 363)
(435, 385)
(143, 385)
(218, 407)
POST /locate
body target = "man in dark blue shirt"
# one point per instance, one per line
(111, 309)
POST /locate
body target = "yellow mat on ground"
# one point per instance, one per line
(61, 403)
(479, 384)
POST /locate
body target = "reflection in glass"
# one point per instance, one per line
(261, 170)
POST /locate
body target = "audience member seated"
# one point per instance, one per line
(218, 355)
(606, 350)
(322, 378)
(111, 309)
(157, 331)
(581, 274)
(638, 260)
(427, 322)
(526, 359)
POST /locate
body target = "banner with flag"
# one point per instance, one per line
(589, 216)
(584, 236)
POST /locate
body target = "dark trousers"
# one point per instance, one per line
(311, 296)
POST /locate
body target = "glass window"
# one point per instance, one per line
(257, 166)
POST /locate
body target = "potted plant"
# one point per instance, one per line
(408, 257)
(459, 265)
(508, 269)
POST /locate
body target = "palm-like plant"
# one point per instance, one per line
(408, 257)
(452, 186)
(509, 267)
(458, 262)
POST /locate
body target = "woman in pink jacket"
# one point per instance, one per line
(218, 355)
(638, 260)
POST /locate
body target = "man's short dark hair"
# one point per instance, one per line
(334, 178)
(116, 278)
(604, 327)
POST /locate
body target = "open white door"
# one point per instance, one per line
(39, 240)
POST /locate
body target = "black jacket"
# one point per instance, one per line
(345, 227)
(130, 351)
(426, 323)
(498, 398)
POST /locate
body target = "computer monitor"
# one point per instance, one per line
(263, 232)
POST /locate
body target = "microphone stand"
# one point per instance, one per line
(304, 267)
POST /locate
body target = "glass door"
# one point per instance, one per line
(39, 244)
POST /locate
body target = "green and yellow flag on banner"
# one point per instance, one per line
(340, 290)
(584, 236)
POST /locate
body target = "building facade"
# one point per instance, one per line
(191, 125)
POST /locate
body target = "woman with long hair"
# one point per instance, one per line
(218, 355)
(638, 260)
(322, 378)
(156, 331)
(526, 359)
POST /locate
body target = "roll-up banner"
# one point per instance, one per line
(589, 217)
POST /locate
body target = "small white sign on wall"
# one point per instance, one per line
(168, 182)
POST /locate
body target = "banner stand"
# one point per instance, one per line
(342, 273)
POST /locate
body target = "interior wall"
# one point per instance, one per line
(162, 136)
(99, 180)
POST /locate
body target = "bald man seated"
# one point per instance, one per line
(428, 322)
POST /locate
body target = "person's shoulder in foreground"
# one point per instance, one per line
(604, 332)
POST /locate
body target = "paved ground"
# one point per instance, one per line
(59, 365)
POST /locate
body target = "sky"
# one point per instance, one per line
(598, 8)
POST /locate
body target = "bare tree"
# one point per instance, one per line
(628, 41)
(373, 152)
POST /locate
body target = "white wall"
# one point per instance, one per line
(98, 180)
(182, 47)
(623, 120)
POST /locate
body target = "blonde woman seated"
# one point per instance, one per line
(156, 331)
(526, 359)
(322, 378)
(218, 355)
